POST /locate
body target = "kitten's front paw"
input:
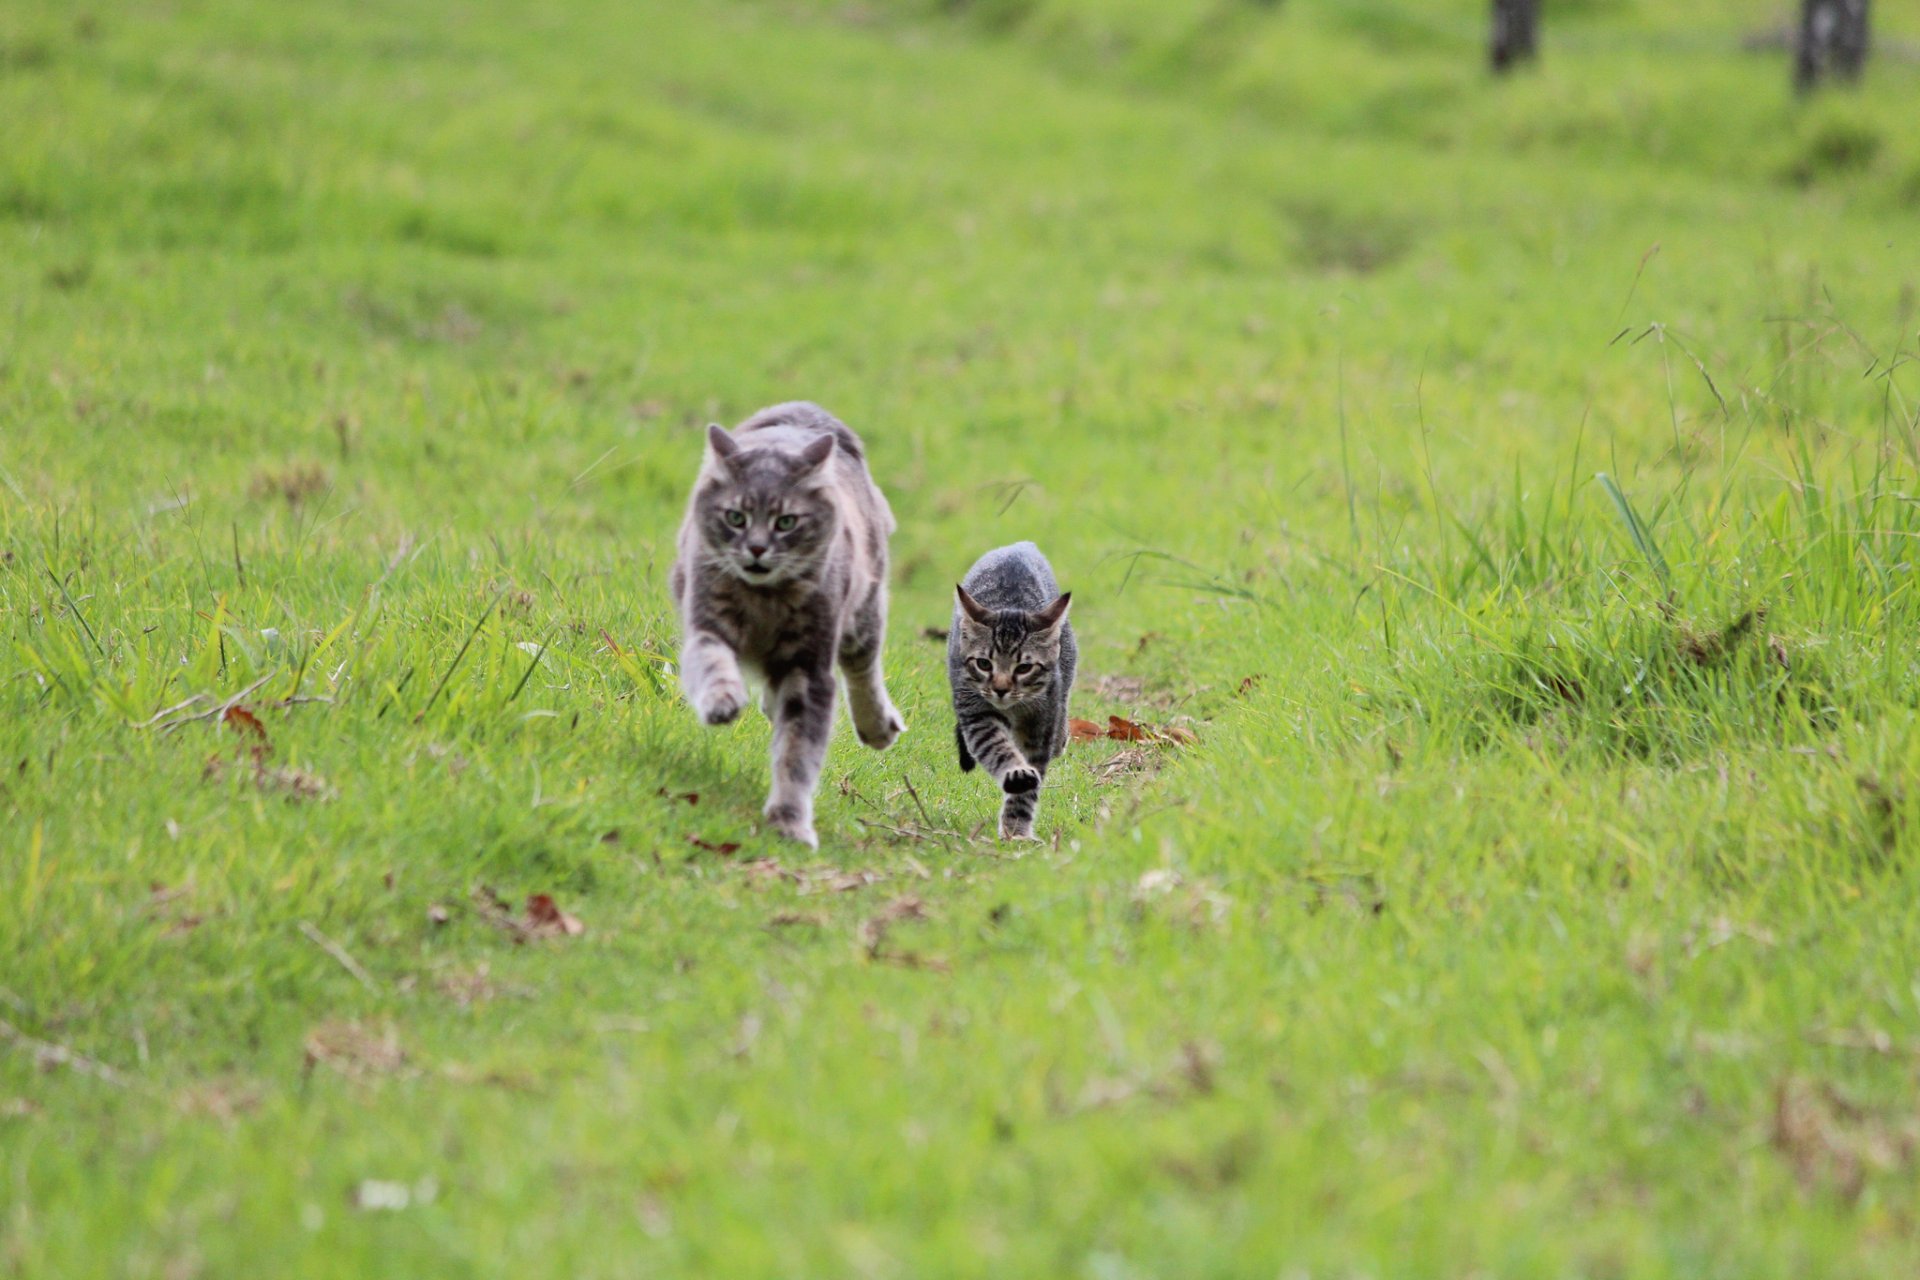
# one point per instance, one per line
(1020, 781)
(1017, 832)
(723, 702)
(792, 822)
(881, 732)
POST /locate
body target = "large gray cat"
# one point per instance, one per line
(782, 571)
(1010, 659)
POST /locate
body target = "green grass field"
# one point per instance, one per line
(1539, 898)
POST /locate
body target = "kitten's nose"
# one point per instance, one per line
(756, 549)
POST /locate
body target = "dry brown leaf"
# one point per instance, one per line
(545, 919)
(355, 1049)
(789, 919)
(1085, 730)
(1125, 764)
(243, 721)
(725, 849)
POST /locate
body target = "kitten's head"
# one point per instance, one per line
(766, 516)
(1007, 655)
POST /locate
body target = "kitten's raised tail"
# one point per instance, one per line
(966, 758)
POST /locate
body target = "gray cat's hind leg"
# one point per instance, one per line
(875, 718)
(802, 725)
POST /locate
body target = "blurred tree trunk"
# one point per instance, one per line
(1832, 42)
(1516, 25)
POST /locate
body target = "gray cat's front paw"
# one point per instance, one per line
(881, 731)
(1017, 831)
(1020, 780)
(793, 822)
(722, 703)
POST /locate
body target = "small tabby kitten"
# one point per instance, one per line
(1010, 659)
(782, 571)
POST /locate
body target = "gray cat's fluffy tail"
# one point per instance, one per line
(966, 758)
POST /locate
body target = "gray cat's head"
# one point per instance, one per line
(1007, 655)
(765, 515)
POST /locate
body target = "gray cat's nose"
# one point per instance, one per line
(756, 549)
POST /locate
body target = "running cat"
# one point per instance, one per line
(1010, 660)
(782, 571)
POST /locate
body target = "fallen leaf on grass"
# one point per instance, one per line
(1196, 904)
(1118, 688)
(1124, 765)
(764, 870)
(1829, 1140)
(468, 987)
(725, 849)
(354, 1049)
(1191, 1074)
(1249, 683)
(545, 919)
(788, 919)
(222, 1100)
(690, 797)
(835, 880)
(243, 721)
(874, 930)
(437, 914)
(1084, 730)
(1120, 729)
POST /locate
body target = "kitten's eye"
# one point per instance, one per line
(736, 519)
(982, 666)
(785, 523)
(1023, 669)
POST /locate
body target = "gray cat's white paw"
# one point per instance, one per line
(793, 823)
(1017, 833)
(723, 703)
(881, 732)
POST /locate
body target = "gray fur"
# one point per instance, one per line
(787, 604)
(1008, 613)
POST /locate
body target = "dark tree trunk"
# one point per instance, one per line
(1516, 25)
(1832, 43)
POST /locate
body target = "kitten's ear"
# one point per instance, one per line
(1050, 618)
(815, 455)
(720, 442)
(974, 609)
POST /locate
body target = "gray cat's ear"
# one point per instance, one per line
(720, 442)
(973, 608)
(1050, 618)
(815, 455)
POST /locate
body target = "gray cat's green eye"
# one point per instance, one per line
(785, 523)
(1023, 669)
(736, 519)
(982, 665)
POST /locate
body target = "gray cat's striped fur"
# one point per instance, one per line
(782, 571)
(1010, 660)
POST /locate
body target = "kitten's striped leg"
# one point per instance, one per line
(802, 724)
(990, 741)
(1016, 813)
(710, 674)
